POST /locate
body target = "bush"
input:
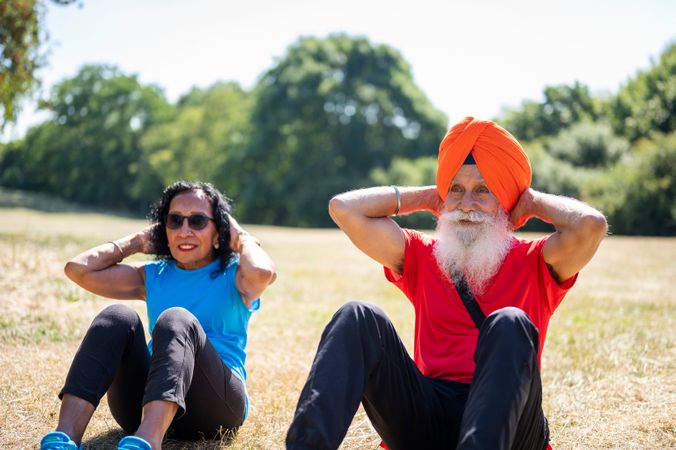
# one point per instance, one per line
(638, 193)
(556, 176)
(588, 144)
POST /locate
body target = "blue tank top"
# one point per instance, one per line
(215, 302)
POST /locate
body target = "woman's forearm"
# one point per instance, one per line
(103, 256)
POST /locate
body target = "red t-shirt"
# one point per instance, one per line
(445, 335)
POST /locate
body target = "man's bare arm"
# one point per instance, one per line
(364, 216)
(579, 229)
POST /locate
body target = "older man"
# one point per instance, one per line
(482, 299)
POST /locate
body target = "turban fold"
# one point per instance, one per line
(500, 159)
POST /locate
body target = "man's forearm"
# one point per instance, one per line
(382, 201)
(364, 216)
(579, 230)
(564, 213)
(424, 198)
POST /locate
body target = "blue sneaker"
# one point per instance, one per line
(58, 440)
(133, 443)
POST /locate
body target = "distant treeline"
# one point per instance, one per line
(335, 114)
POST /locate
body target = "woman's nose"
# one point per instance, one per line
(185, 228)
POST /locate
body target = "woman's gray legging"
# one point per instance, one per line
(184, 368)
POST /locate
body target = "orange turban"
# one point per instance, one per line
(499, 157)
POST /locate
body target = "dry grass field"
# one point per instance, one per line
(608, 366)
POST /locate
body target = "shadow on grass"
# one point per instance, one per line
(103, 441)
(110, 439)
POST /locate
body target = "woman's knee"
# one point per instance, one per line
(174, 320)
(116, 316)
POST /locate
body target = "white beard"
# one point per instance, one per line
(473, 251)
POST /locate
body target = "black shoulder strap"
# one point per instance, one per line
(470, 303)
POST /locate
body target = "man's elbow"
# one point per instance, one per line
(337, 208)
(595, 224)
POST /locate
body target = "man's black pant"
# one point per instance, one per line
(361, 359)
(184, 368)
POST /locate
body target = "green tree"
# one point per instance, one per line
(89, 151)
(554, 175)
(21, 55)
(327, 114)
(563, 106)
(588, 144)
(647, 103)
(639, 193)
(210, 127)
(24, 163)
(407, 172)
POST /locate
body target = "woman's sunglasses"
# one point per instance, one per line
(195, 221)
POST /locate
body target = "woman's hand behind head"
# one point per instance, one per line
(145, 237)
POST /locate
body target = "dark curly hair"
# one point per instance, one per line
(221, 207)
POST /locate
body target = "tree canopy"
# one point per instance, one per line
(646, 104)
(206, 132)
(334, 114)
(615, 152)
(327, 114)
(21, 53)
(90, 150)
(563, 106)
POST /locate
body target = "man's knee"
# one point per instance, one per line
(511, 324)
(174, 321)
(510, 318)
(356, 318)
(355, 313)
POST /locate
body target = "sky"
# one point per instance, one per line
(470, 58)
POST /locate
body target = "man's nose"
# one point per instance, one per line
(466, 203)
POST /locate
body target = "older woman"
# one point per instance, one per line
(200, 293)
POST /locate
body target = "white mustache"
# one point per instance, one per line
(472, 216)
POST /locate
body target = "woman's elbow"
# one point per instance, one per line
(262, 276)
(267, 276)
(272, 278)
(72, 270)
